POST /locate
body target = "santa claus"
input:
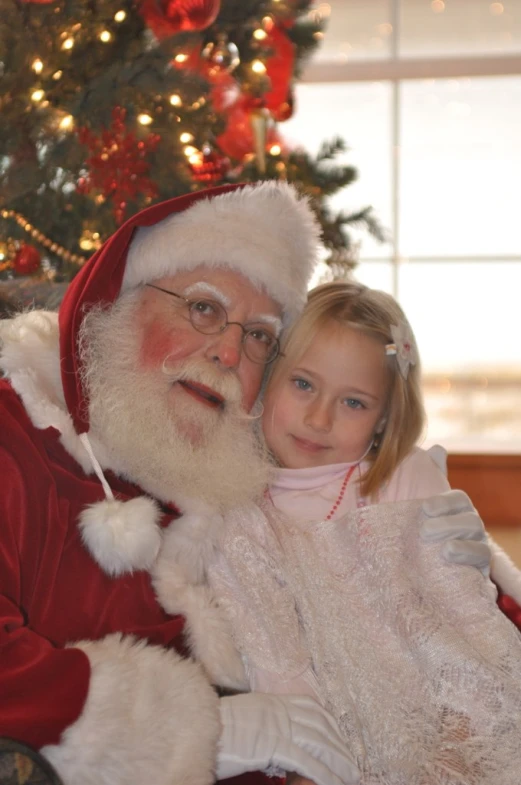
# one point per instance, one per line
(120, 414)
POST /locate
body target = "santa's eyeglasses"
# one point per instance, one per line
(209, 317)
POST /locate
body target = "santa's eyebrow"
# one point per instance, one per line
(268, 318)
(208, 288)
(217, 294)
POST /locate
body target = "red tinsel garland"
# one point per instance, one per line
(117, 165)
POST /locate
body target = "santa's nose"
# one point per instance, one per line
(226, 348)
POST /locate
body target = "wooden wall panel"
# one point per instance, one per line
(493, 482)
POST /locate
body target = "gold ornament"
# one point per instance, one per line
(45, 241)
(259, 124)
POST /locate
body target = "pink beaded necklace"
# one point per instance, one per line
(336, 505)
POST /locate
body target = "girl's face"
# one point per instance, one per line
(328, 407)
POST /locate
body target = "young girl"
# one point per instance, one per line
(344, 408)
(329, 590)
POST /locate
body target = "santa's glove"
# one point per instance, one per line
(451, 517)
(279, 733)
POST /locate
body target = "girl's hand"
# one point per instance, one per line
(296, 779)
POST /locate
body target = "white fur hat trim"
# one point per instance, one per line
(122, 536)
(265, 231)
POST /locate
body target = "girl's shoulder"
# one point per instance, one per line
(421, 474)
(420, 457)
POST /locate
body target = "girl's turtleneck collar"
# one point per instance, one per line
(308, 479)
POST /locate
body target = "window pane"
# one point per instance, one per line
(356, 30)
(377, 275)
(459, 27)
(469, 335)
(460, 167)
(466, 315)
(359, 113)
(474, 414)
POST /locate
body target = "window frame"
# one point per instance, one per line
(491, 480)
(395, 70)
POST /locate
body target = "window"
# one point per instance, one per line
(428, 97)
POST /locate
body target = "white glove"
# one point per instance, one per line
(452, 517)
(290, 732)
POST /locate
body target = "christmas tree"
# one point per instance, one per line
(110, 105)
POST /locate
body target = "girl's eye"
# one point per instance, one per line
(301, 384)
(354, 403)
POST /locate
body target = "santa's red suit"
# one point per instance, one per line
(93, 671)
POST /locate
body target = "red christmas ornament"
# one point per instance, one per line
(279, 69)
(26, 260)
(169, 17)
(211, 168)
(238, 138)
(117, 165)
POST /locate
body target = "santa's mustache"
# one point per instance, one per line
(224, 383)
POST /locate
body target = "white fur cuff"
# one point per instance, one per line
(150, 717)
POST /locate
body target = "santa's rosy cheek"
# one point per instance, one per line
(159, 343)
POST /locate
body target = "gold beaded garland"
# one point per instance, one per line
(57, 249)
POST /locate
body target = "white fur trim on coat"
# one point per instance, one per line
(265, 231)
(504, 572)
(179, 580)
(30, 359)
(122, 536)
(150, 717)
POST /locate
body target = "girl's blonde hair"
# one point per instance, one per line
(373, 312)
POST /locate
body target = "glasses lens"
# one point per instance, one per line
(207, 316)
(260, 346)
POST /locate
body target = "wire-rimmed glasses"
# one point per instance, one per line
(210, 317)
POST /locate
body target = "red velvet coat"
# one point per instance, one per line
(53, 593)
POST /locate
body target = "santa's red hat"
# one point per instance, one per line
(265, 231)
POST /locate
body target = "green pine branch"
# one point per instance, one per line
(42, 161)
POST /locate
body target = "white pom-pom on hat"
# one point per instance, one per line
(122, 536)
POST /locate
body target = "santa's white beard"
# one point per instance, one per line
(186, 450)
